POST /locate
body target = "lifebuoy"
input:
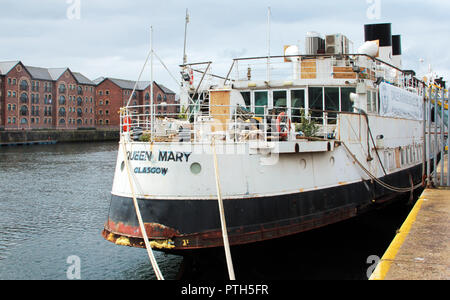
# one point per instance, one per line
(283, 125)
(126, 124)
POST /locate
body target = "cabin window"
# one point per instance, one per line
(316, 102)
(346, 103)
(247, 99)
(280, 98)
(332, 103)
(297, 104)
(374, 101)
(261, 100)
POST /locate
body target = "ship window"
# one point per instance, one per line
(316, 102)
(280, 98)
(261, 100)
(332, 103)
(297, 103)
(346, 103)
(371, 102)
(246, 96)
(374, 101)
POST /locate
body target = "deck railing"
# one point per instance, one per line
(227, 123)
(321, 67)
(437, 128)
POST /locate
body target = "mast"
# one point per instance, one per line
(268, 44)
(185, 35)
(152, 108)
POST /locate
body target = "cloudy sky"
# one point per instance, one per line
(112, 37)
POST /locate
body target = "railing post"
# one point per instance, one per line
(436, 146)
(442, 138)
(424, 151)
(448, 141)
(428, 149)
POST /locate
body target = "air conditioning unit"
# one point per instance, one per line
(336, 44)
(314, 44)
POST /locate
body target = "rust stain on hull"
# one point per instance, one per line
(170, 240)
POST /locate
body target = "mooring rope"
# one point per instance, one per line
(139, 217)
(222, 216)
(383, 184)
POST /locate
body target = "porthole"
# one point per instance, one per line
(303, 163)
(122, 165)
(196, 168)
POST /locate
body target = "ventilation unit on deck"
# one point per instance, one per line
(336, 44)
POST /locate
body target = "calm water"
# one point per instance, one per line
(54, 200)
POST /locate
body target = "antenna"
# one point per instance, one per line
(185, 34)
(152, 108)
(268, 43)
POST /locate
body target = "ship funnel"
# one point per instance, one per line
(382, 34)
(397, 51)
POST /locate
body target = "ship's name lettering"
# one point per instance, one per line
(151, 170)
(162, 156)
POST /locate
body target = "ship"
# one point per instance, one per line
(287, 143)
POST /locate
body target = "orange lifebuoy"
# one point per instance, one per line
(283, 129)
(126, 124)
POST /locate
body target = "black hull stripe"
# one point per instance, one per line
(246, 215)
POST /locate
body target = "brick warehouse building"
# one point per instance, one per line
(41, 98)
(112, 93)
(57, 98)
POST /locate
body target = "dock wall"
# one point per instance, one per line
(61, 136)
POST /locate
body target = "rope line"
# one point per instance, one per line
(222, 216)
(383, 184)
(153, 261)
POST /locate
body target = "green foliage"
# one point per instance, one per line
(183, 114)
(307, 126)
(144, 137)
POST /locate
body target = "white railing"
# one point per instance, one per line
(318, 67)
(437, 128)
(237, 125)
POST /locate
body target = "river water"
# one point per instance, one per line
(54, 200)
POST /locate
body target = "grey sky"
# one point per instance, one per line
(111, 38)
